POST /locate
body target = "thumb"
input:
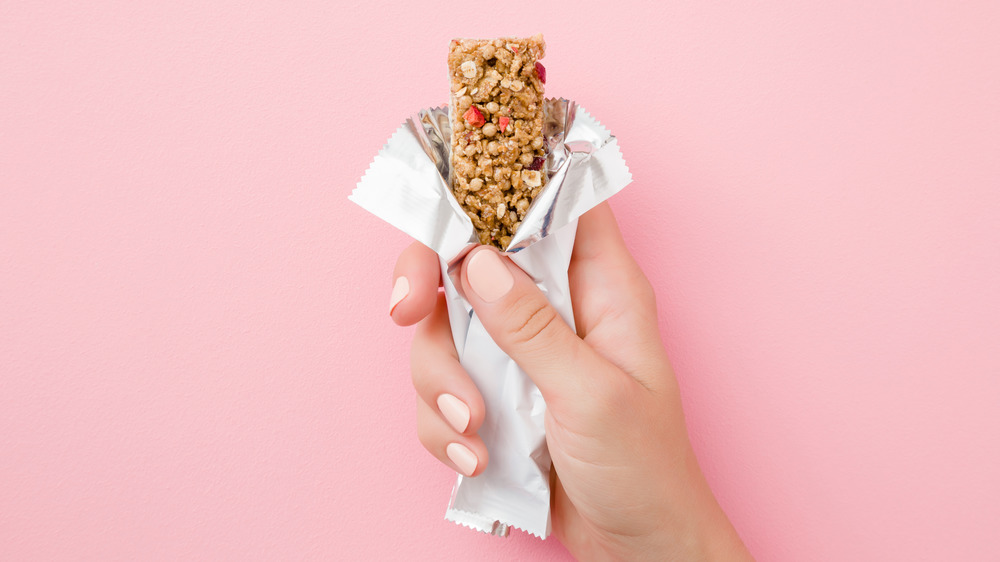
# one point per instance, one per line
(528, 328)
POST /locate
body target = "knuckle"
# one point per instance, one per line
(641, 288)
(416, 379)
(531, 320)
(645, 289)
(415, 362)
(424, 435)
(418, 368)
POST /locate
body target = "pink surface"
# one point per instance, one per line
(197, 361)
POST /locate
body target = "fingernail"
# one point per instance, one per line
(488, 276)
(455, 411)
(463, 458)
(399, 291)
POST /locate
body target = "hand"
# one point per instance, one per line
(627, 485)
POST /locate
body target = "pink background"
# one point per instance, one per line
(196, 357)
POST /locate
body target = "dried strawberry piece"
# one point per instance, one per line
(474, 117)
(503, 123)
(537, 163)
(541, 71)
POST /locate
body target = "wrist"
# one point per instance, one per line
(696, 527)
(716, 538)
(707, 537)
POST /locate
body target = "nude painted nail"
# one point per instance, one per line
(463, 458)
(399, 291)
(488, 276)
(455, 411)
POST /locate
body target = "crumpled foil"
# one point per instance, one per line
(407, 185)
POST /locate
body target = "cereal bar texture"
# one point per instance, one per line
(497, 146)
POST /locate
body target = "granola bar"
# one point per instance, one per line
(497, 145)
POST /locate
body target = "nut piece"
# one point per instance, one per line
(469, 69)
(474, 117)
(531, 178)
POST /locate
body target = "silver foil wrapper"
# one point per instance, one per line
(407, 185)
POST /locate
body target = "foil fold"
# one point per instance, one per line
(407, 185)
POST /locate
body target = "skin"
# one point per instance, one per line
(627, 485)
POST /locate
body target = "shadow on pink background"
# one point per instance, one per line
(196, 360)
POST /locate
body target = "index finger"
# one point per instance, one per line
(604, 270)
(415, 282)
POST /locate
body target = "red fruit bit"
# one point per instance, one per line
(514, 48)
(537, 163)
(503, 123)
(541, 71)
(474, 117)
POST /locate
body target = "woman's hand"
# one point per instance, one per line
(628, 486)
